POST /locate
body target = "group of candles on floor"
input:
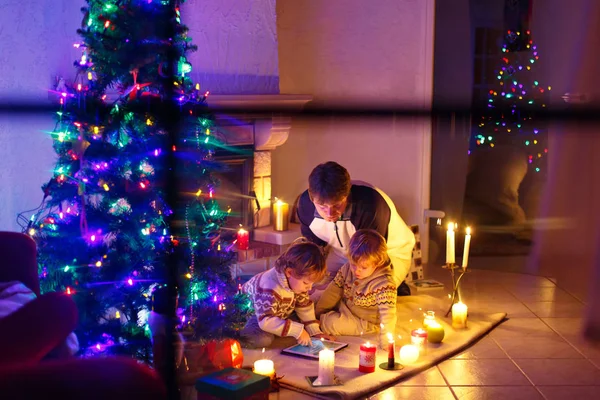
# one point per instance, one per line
(432, 332)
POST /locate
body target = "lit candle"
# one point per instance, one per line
(418, 337)
(450, 259)
(459, 315)
(429, 317)
(409, 354)
(243, 239)
(264, 367)
(326, 367)
(465, 259)
(435, 332)
(367, 358)
(391, 351)
(280, 216)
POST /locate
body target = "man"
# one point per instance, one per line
(334, 208)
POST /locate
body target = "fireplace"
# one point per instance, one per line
(250, 136)
(236, 179)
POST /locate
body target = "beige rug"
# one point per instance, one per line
(357, 384)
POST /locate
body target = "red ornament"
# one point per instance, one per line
(214, 355)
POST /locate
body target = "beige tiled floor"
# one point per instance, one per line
(537, 354)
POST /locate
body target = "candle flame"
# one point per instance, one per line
(468, 230)
(263, 350)
(368, 344)
(451, 227)
(390, 337)
(381, 326)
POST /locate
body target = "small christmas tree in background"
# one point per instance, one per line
(510, 115)
(103, 229)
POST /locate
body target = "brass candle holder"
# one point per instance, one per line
(455, 283)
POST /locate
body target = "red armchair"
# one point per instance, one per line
(29, 334)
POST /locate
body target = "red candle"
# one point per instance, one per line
(243, 239)
(391, 351)
(366, 361)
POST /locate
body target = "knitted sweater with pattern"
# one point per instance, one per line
(274, 302)
(372, 299)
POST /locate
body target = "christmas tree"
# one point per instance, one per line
(510, 114)
(105, 228)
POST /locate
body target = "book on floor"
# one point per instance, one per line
(425, 284)
(313, 350)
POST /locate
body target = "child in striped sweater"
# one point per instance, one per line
(280, 292)
(363, 291)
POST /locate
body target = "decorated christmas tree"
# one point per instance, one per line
(105, 227)
(509, 117)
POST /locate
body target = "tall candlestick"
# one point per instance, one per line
(243, 239)
(450, 259)
(465, 259)
(281, 216)
(391, 351)
(367, 357)
(459, 315)
(326, 368)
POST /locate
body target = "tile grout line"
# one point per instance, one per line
(518, 367)
(446, 380)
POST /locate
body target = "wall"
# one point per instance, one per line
(566, 247)
(36, 44)
(348, 51)
(237, 53)
(237, 45)
(452, 90)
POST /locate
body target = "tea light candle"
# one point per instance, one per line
(264, 367)
(409, 354)
(435, 332)
(243, 239)
(429, 317)
(459, 315)
(367, 357)
(281, 216)
(326, 367)
(418, 337)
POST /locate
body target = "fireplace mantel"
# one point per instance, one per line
(262, 123)
(261, 120)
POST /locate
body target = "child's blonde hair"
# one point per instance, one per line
(368, 246)
(304, 258)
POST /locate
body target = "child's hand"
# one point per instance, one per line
(304, 338)
(325, 336)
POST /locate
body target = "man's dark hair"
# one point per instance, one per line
(329, 182)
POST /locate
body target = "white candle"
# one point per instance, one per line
(264, 367)
(459, 315)
(465, 259)
(409, 354)
(450, 259)
(326, 367)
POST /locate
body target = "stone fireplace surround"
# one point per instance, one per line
(259, 122)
